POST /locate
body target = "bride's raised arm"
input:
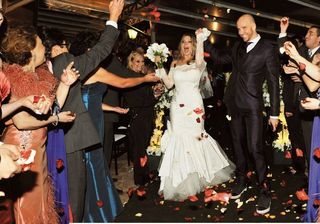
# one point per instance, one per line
(166, 78)
(201, 35)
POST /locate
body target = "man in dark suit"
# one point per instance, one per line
(253, 60)
(81, 134)
(312, 46)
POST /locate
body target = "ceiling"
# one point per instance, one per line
(169, 19)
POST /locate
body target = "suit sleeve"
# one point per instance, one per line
(112, 64)
(273, 71)
(89, 61)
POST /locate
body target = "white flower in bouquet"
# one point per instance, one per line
(161, 51)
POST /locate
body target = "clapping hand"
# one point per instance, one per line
(70, 75)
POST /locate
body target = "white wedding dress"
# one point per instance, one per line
(192, 159)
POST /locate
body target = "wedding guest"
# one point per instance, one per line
(24, 52)
(82, 134)
(184, 171)
(99, 182)
(141, 101)
(312, 46)
(310, 73)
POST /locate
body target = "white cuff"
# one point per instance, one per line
(282, 35)
(274, 117)
(112, 23)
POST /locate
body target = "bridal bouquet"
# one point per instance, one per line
(162, 105)
(158, 54)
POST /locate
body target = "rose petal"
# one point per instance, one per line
(198, 120)
(316, 153)
(193, 198)
(302, 195)
(287, 155)
(143, 161)
(299, 152)
(99, 203)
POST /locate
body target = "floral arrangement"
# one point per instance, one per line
(162, 105)
(282, 143)
(158, 54)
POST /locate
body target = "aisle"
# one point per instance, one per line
(285, 205)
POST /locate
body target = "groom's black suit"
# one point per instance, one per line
(244, 100)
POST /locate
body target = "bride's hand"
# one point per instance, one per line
(198, 31)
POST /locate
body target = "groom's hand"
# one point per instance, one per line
(274, 123)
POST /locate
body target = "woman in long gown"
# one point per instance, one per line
(102, 200)
(192, 159)
(31, 190)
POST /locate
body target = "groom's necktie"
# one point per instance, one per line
(309, 53)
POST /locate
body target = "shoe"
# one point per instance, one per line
(264, 202)
(238, 190)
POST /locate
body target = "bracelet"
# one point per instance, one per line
(55, 123)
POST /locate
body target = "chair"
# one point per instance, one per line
(120, 145)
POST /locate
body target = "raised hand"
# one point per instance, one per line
(284, 24)
(70, 75)
(115, 9)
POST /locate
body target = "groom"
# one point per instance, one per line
(253, 60)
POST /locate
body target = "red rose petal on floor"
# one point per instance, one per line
(193, 198)
(299, 152)
(143, 161)
(316, 153)
(249, 174)
(130, 191)
(289, 202)
(287, 155)
(302, 195)
(188, 219)
(141, 192)
(181, 105)
(99, 203)
(198, 120)
(283, 183)
(177, 209)
(208, 192)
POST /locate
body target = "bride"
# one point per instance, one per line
(192, 159)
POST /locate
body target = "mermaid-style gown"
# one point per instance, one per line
(102, 200)
(192, 159)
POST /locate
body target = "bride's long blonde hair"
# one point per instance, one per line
(194, 46)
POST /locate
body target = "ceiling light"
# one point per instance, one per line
(132, 34)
